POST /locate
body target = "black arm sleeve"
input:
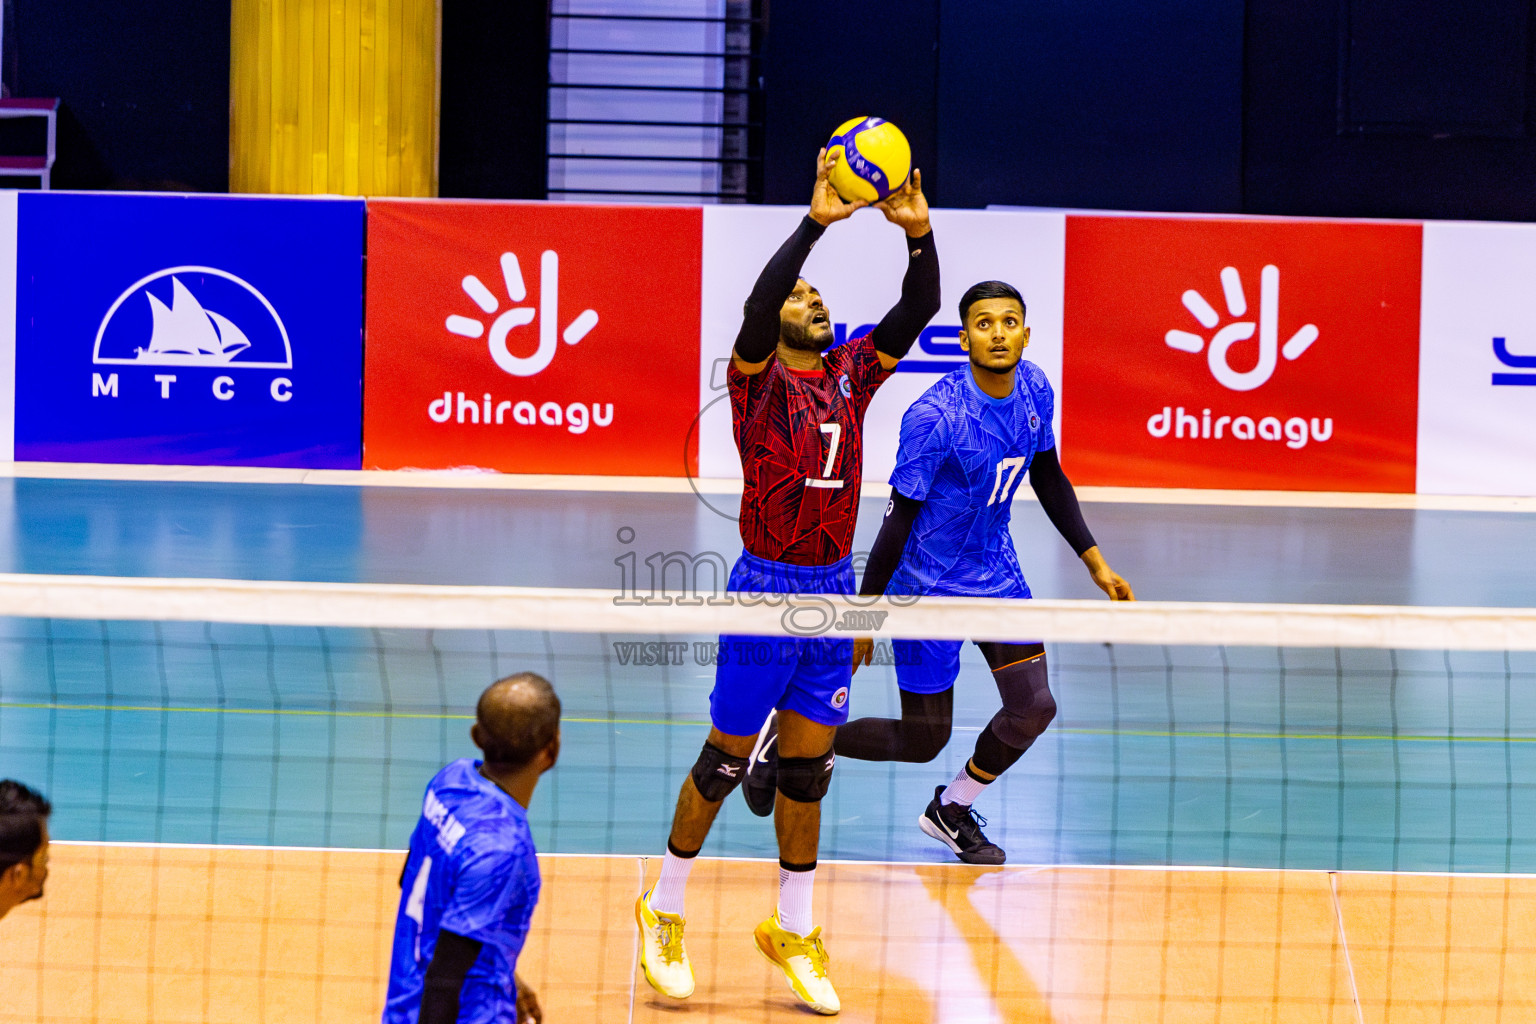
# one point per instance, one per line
(889, 544)
(759, 334)
(444, 983)
(919, 300)
(1059, 500)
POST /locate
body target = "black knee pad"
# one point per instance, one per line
(1028, 707)
(805, 779)
(716, 773)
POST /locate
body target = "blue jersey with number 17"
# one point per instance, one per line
(963, 455)
(472, 871)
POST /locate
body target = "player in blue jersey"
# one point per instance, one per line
(471, 878)
(965, 445)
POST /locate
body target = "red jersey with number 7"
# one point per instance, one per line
(801, 438)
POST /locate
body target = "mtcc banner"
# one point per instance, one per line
(189, 330)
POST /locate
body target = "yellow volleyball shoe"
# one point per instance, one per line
(803, 959)
(662, 956)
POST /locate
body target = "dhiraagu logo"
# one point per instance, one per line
(1221, 343)
(505, 321)
(497, 327)
(166, 327)
(1295, 431)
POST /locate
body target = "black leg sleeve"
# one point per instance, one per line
(918, 736)
(1059, 500)
(444, 983)
(759, 334)
(1028, 708)
(919, 301)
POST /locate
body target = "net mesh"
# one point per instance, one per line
(1313, 831)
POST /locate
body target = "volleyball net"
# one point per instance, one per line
(268, 743)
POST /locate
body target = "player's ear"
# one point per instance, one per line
(1026, 337)
(477, 736)
(965, 341)
(552, 752)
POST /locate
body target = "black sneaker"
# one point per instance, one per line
(959, 828)
(761, 785)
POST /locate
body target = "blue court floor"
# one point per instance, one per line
(1225, 756)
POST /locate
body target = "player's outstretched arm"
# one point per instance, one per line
(900, 514)
(1061, 506)
(920, 297)
(452, 958)
(759, 334)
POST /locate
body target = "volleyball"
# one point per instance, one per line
(875, 159)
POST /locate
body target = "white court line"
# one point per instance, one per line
(1349, 965)
(634, 960)
(471, 479)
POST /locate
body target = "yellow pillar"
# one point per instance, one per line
(334, 96)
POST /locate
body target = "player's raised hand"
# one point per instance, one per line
(826, 205)
(863, 651)
(907, 206)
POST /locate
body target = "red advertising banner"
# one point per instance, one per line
(1210, 353)
(532, 338)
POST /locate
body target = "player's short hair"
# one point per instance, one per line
(989, 290)
(518, 717)
(23, 810)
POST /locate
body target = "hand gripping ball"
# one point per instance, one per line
(876, 159)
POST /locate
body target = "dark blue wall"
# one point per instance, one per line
(1462, 145)
(1300, 107)
(1123, 104)
(823, 64)
(145, 88)
(1305, 107)
(1093, 103)
(495, 79)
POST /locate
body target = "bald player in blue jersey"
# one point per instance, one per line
(966, 443)
(471, 879)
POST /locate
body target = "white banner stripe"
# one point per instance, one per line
(590, 611)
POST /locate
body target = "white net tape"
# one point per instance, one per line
(591, 611)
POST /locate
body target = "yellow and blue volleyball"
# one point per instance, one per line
(876, 159)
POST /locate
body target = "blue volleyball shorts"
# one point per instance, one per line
(932, 666)
(808, 675)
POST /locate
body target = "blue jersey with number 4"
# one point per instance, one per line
(471, 870)
(963, 455)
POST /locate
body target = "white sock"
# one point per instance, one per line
(795, 899)
(672, 886)
(963, 791)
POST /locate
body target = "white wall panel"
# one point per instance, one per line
(1477, 412)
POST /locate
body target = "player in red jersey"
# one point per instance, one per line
(797, 413)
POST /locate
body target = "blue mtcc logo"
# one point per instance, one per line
(160, 321)
(196, 317)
